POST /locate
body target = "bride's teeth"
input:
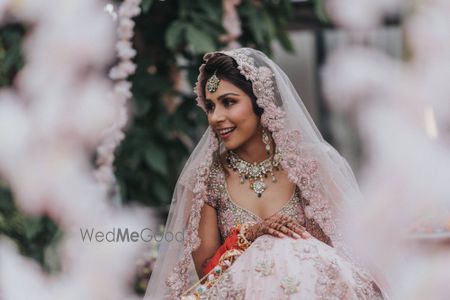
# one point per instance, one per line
(225, 131)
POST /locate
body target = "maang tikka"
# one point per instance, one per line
(213, 83)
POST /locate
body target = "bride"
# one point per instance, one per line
(260, 199)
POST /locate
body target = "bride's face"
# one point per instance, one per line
(231, 116)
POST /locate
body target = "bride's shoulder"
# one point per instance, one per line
(215, 187)
(215, 170)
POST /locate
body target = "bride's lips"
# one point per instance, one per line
(226, 132)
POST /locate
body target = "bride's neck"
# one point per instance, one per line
(252, 151)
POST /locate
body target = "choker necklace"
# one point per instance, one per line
(254, 172)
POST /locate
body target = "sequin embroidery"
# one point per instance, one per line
(230, 214)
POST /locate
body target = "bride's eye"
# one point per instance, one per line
(209, 107)
(228, 102)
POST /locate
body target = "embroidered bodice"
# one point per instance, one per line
(229, 214)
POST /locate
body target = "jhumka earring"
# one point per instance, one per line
(266, 141)
(213, 83)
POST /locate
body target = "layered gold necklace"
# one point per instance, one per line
(254, 172)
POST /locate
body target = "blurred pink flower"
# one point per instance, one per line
(63, 106)
(125, 50)
(125, 29)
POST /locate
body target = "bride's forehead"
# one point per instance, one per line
(224, 87)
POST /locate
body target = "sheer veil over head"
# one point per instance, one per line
(321, 174)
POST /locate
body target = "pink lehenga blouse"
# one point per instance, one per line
(274, 268)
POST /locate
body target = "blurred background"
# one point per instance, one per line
(165, 124)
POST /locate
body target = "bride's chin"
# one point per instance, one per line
(229, 147)
(232, 145)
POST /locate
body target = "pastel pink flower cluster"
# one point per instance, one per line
(363, 14)
(402, 114)
(50, 124)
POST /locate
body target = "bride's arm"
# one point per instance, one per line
(208, 232)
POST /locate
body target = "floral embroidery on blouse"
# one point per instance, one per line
(230, 214)
(290, 285)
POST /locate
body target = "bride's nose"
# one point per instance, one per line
(218, 115)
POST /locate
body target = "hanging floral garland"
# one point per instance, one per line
(122, 90)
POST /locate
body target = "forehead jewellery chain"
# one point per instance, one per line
(213, 83)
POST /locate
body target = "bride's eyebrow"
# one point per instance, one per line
(227, 94)
(221, 97)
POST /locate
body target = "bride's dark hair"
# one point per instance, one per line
(226, 68)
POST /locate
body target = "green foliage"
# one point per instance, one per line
(264, 21)
(201, 41)
(171, 37)
(11, 59)
(35, 236)
(319, 9)
(146, 4)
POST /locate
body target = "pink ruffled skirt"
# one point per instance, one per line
(285, 268)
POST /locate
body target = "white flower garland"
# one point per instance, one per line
(122, 91)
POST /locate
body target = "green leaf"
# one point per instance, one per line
(162, 193)
(51, 253)
(146, 4)
(149, 84)
(268, 24)
(12, 57)
(200, 41)
(156, 159)
(319, 9)
(3, 223)
(183, 9)
(32, 226)
(213, 27)
(285, 41)
(212, 9)
(174, 34)
(255, 26)
(142, 105)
